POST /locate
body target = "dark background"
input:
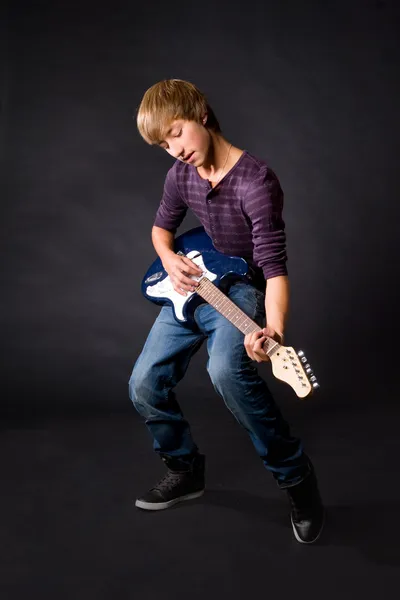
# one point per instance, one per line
(310, 87)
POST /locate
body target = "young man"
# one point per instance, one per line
(238, 200)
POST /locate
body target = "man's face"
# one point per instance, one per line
(187, 141)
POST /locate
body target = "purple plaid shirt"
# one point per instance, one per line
(242, 214)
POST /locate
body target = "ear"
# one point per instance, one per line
(204, 120)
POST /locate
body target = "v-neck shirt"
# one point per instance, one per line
(242, 214)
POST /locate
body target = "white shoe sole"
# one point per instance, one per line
(164, 505)
(296, 535)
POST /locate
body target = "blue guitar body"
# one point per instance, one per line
(221, 269)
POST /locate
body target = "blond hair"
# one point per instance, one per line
(168, 100)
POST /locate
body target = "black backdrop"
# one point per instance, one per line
(311, 87)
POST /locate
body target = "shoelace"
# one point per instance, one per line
(299, 514)
(168, 481)
(303, 508)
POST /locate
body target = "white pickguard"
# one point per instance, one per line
(164, 289)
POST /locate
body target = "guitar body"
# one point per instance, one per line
(221, 269)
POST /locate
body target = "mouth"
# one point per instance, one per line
(188, 157)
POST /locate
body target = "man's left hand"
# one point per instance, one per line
(254, 342)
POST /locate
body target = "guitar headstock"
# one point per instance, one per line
(292, 367)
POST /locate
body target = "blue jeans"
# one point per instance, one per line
(164, 361)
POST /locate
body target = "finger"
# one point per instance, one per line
(250, 354)
(179, 286)
(193, 268)
(258, 345)
(180, 280)
(180, 291)
(187, 277)
(260, 352)
(196, 270)
(184, 289)
(263, 358)
(187, 283)
(269, 332)
(249, 344)
(255, 336)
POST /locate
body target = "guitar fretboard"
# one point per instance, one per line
(224, 305)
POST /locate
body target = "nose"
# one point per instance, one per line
(176, 150)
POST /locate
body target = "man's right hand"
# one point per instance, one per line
(179, 269)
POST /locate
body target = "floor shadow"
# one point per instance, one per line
(372, 529)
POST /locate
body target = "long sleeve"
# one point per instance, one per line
(263, 205)
(172, 209)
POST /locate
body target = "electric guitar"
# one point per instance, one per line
(219, 272)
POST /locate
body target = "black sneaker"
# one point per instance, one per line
(175, 486)
(308, 513)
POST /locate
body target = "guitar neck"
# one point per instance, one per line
(224, 305)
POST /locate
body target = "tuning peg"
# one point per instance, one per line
(303, 359)
(315, 385)
(300, 353)
(313, 378)
(309, 371)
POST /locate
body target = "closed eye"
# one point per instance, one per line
(166, 147)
